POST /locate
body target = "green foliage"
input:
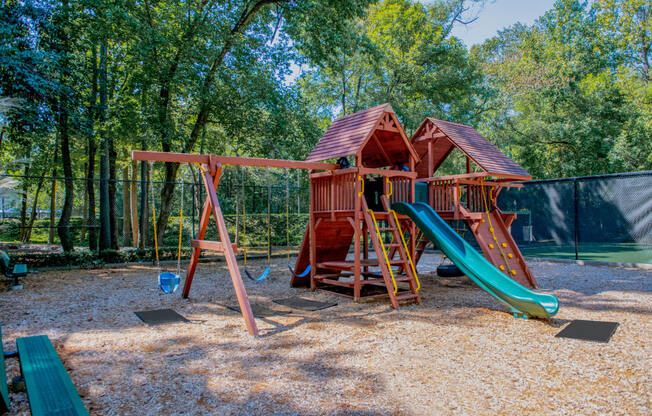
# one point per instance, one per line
(564, 96)
(569, 95)
(403, 55)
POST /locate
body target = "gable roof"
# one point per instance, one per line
(347, 135)
(484, 153)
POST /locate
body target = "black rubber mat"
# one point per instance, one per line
(261, 311)
(596, 331)
(366, 290)
(160, 317)
(304, 304)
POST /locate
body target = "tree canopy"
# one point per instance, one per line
(84, 83)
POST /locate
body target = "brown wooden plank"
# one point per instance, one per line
(211, 245)
(230, 160)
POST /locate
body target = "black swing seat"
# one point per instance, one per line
(49, 388)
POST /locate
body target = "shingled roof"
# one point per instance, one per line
(487, 156)
(350, 134)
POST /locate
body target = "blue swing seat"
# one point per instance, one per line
(262, 276)
(168, 282)
(303, 274)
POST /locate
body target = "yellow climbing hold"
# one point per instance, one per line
(510, 255)
(513, 272)
(501, 267)
(482, 221)
(491, 246)
(504, 245)
(491, 229)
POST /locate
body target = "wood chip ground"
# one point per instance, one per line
(459, 352)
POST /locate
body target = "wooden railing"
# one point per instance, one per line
(401, 190)
(468, 190)
(444, 195)
(334, 193)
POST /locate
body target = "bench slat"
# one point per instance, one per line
(4, 390)
(20, 270)
(49, 388)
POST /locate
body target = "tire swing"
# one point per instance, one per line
(265, 273)
(168, 282)
(287, 229)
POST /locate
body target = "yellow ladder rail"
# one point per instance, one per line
(382, 245)
(400, 232)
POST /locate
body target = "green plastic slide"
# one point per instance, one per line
(523, 302)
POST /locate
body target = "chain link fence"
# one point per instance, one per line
(247, 196)
(601, 218)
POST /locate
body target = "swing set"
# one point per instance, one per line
(291, 267)
(211, 170)
(168, 282)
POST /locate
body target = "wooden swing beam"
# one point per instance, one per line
(229, 160)
(211, 172)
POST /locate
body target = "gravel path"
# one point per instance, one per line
(459, 352)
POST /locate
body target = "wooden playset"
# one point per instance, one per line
(351, 206)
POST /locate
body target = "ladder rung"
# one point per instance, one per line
(407, 296)
(392, 245)
(386, 228)
(326, 276)
(380, 280)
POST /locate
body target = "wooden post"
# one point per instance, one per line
(313, 235)
(413, 227)
(431, 173)
(356, 240)
(231, 262)
(194, 258)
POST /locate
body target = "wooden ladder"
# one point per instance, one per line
(386, 263)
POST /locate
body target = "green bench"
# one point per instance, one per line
(12, 271)
(49, 388)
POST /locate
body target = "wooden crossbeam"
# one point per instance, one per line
(230, 160)
(212, 245)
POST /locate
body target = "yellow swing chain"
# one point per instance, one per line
(287, 213)
(151, 181)
(244, 218)
(180, 230)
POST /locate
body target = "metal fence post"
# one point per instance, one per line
(576, 216)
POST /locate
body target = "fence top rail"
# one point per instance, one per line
(593, 177)
(229, 160)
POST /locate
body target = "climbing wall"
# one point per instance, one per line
(499, 247)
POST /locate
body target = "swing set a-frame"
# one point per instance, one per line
(211, 169)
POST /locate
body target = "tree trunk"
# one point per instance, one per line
(28, 230)
(144, 205)
(126, 208)
(53, 192)
(92, 150)
(66, 212)
(171, 169)
(105, 219)
(133, 199)
(113, 190)
(23, 204)
(85, 207)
